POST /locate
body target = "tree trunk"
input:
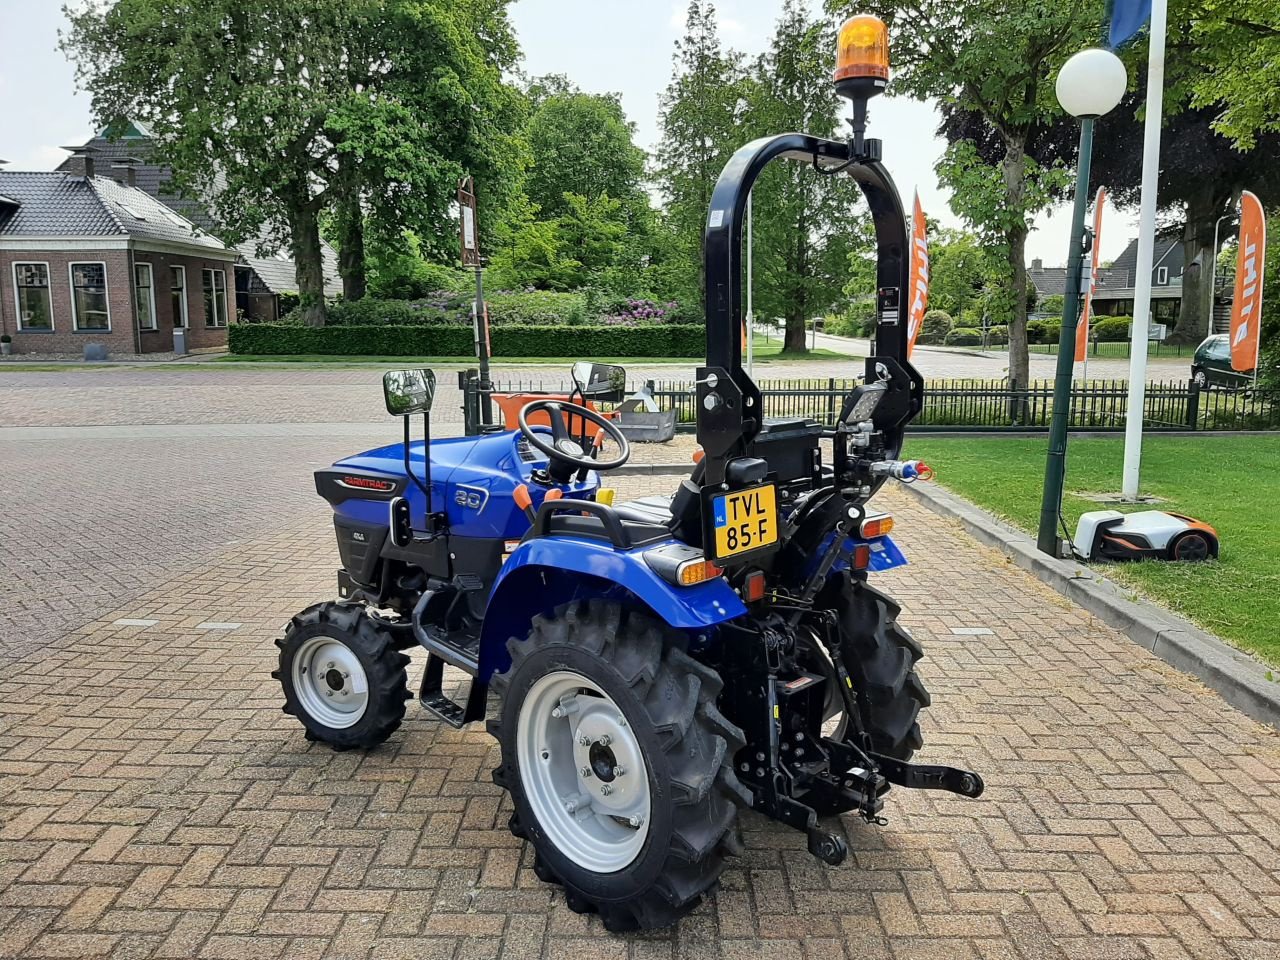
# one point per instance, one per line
(795, 336)
(1013, 171)
(1196, 309)
(308, 265)
(351, 247)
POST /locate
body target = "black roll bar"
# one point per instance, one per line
(732, 418)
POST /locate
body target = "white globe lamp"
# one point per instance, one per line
(1091, 83)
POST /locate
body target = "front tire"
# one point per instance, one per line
(618, 763)
(342, 676)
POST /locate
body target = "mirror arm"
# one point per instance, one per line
(410, 474)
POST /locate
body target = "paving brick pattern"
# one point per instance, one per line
(154, 802)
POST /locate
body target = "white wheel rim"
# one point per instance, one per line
(330, 682)
(567, 725)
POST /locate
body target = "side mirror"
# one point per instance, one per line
(606, 382)
(408, 391)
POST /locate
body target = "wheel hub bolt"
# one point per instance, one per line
(585, 773)
(329, 665)
(328, 693)
(584, 740)
(606, 740)
(571, 806)
(619, 771)
(636, 821)
(557, 713)
(606, 790)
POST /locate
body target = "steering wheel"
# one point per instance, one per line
(564, 450)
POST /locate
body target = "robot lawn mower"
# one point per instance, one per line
(1150, 534)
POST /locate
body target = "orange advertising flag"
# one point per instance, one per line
(1082, 328)
(1246, 306)
(918, 285)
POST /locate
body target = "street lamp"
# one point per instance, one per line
(1089, 85)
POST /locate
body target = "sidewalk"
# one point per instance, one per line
(154, 802)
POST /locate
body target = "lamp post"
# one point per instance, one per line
(1089, 85)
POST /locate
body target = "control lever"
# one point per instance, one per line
(595, 453)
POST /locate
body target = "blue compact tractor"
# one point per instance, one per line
(649, 668)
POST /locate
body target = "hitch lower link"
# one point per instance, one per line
(868, 783)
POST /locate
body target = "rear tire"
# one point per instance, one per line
(342, 676)
(1201, 379)
(880, 656)
(613, 669)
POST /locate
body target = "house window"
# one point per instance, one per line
(1162, 276)
(144, 296)
(178, 291)
(89, 310)
(31, 287)
(215, 298)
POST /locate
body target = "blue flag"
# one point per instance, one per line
(1127, 18)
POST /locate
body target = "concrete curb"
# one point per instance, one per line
(650, 470)
(1237, 677)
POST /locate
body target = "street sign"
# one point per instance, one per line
(467, 207)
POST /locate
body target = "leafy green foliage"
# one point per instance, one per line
(1043, 331)
(1110, 329)
(935, 326)
(1237, 68)
(963, 337)
(998, 60)
(581, 144)
(1052, 304)
(278, 111)
(699, 114)
(267, 339)
(807, 228)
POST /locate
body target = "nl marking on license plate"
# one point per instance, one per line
(745, 520)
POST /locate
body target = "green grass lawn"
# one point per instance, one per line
(1232, 483)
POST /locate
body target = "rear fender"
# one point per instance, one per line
(544, 573)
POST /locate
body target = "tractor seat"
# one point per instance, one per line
(652, 510)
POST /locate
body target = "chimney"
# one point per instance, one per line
(81, 162)
(125, 171)
(1037, 264)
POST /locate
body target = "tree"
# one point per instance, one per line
(805, 223)
(960, 267)
(278, 111)
(997, 59)
(582, 144)
(699, 133)
(1237, 70)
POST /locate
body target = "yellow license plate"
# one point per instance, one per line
(745, 520)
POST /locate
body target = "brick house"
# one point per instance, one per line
(260, 281)
(85, 258)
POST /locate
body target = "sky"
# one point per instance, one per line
(622, 46)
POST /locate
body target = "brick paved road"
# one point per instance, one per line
(156, 803)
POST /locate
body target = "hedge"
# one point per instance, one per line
(1110, 329)
(963, 337)
(274, 339)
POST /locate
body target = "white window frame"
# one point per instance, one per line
(1162, 276)
(17, 301)
(183, 321)
(212, 322)
(151, 292)
(106, 293)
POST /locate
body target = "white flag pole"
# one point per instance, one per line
(1146, 251)
(751, 326)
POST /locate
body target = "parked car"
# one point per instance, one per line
(1211, 365)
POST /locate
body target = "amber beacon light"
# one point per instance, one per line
(862, 54)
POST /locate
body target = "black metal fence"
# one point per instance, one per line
(978, 405)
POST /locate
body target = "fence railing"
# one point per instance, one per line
(1120, 348)
(949, 405)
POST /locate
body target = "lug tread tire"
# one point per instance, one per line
(677, 694)
(880, 656)
(384, 667)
